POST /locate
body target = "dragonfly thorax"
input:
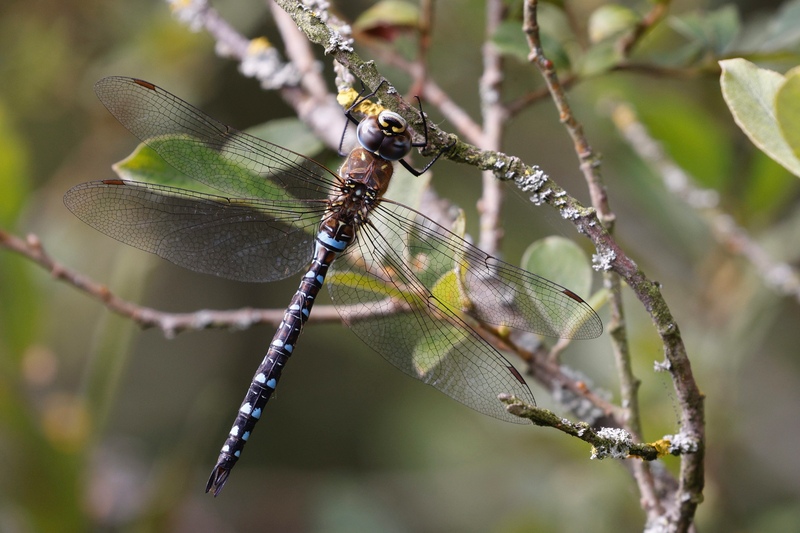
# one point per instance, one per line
(386, 135)
(366, 168)
(364, 179)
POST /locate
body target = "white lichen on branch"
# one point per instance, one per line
(603, 260)
(618, 445)
(680, 444)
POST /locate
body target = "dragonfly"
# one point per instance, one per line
(414, 291)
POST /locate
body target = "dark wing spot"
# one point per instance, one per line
(516, 374)
(145, 84)
(573, 296)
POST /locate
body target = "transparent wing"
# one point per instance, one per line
(209, 151)
(490, 290)
(418, 294)
(244, 240)
(411, 330)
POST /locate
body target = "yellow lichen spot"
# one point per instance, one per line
(347, 97)
(662, 446)
(503, 331)
(177, 5)
(257, 45)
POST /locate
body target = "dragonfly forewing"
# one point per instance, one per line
(424, 294)
(244, 240)
(207, 150)
(492, 291)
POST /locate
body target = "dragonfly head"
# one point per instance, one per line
(386, 135)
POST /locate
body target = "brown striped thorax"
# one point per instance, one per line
(364, 179)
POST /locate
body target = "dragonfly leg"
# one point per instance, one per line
(415, 172)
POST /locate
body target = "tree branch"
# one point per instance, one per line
(170, 323)
(691, 400)
(778, 275)
(494, 117)
(606, 442)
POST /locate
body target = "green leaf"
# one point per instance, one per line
(611, 20)
(787, 109)
(433, 348)
(361, 282)
(725, 25)
(291, 133)
(780, 32)
(715, 30)
(554, 33)
(510, 40)
(448, 293)
(144, 164)
(750, 94)
(387, 18)
(600, 58)
(561, 261)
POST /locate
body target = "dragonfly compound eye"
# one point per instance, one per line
(369, 133)
(386, 135)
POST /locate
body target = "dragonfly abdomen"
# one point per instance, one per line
(332, 239)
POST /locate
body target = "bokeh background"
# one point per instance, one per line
(105, 427)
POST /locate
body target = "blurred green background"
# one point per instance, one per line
(105, 427)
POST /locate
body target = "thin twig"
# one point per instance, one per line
(494, 119)
(778, 275)
(299, 82)
(590, 166)
(606, 442)
(657, 12)
(171, 324)
(589, 162)
(430, 92)
(420, 73)
(146, 317)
